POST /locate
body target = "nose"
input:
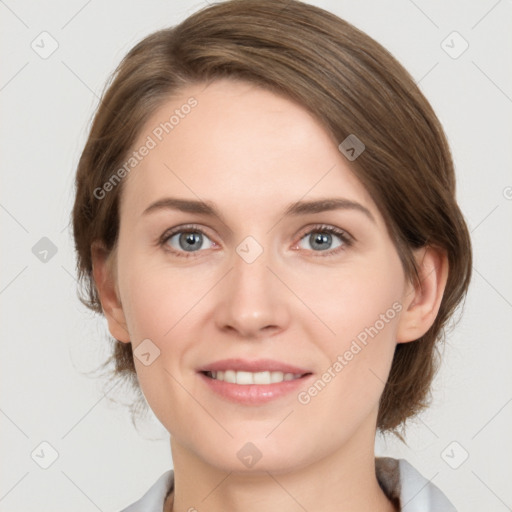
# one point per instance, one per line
(252, 301)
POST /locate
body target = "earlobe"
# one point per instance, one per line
(422, 302)
(104, 278)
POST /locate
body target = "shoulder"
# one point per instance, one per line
(153, 499)
(405, 484)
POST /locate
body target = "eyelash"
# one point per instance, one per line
(347, 239)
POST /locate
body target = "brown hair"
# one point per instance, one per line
(352, 85)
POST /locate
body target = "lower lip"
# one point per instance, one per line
(253, 394)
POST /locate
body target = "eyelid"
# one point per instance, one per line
(310, 228)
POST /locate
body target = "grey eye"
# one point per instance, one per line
(321, 241)
(189, 241)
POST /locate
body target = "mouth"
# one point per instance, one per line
(253, 382)
(247, 378)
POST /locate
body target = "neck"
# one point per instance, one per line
(342, 481)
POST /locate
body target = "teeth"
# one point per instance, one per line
(245, 378)
(230, 376)
(261, 377)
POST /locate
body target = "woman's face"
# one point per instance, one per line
(260, 290)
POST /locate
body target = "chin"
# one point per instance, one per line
(258, 457)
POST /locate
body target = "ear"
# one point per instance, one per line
(421, 303)
(105, 279)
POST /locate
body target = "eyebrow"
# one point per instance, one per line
(294, 209)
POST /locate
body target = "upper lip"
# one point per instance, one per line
(259, 365)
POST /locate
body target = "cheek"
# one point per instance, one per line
(158, 305)
(362, 307)
(156, 297)
(352, 301)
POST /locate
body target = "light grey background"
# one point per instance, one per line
(49, 339)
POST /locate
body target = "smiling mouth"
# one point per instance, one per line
(248, 378)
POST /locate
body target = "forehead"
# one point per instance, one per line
(238, 145)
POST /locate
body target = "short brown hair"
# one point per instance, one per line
(352, 85)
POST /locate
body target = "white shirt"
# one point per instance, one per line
(397, 478)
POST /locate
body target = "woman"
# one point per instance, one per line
(265, 213)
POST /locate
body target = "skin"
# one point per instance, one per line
(252, 153)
